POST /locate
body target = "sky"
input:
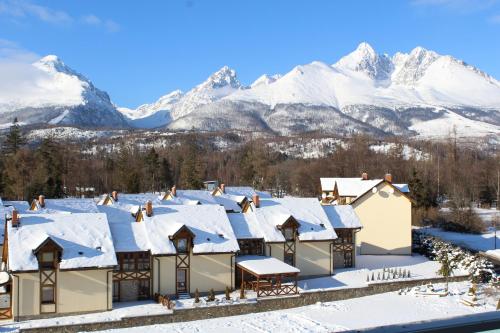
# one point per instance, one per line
(138, 51)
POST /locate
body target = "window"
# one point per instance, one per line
(288, 233)
(143, 292)
(128, 262)
(142, 261)
(48, 295)
(47, 260)
(251, 246)
(182, 245)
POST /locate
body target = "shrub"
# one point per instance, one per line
(196, 296)
(228, 293)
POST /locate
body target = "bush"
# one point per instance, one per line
(460, 219)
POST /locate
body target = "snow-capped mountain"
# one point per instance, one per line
(364, 91)
(54, 93)
(153, 115)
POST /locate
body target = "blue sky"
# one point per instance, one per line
(140, 50)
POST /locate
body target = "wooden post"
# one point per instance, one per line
(258, 285)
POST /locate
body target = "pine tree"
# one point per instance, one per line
(14, 140)
(166, 177)
(152, 165)
(191, 168)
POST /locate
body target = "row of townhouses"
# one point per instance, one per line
(75, 255)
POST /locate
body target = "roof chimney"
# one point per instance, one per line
(114, 195)
(15, 219)
(41, 200)
(256, 200)
(388, 177)
(149, 208)
(223, 188)
(364, 176)
(173, 191)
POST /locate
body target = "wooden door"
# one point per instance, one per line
(182, 286)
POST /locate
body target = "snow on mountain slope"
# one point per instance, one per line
(53, 93)
(265, 79)
(220, 84)
(153, 115)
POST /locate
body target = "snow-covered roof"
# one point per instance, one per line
(245, 225)
(128, 235)
(85, 239)
(209, 224)
(342, 216)
(67, 205)
(262, 265)
(314, 223)
(191, 197)
(402, 187)
(246, 191)
(349, 187)
(230, 203)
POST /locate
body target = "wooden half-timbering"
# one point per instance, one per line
(132, 276)
(269, 284)
(289, 229)
(49, 255)
(343, 248)
(183, 241)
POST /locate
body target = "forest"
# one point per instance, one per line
(462, 174)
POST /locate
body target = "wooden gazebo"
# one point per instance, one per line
(271, 277)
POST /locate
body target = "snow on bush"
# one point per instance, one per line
(454, 257)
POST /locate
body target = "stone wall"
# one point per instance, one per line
(261, 305)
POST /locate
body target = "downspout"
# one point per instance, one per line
(331, 258)
(158, 260)
(17, 302)
(269, 247)
(107, 289)
(354, 246)
(233, 256)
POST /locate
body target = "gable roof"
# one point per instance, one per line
(209, 224)
(85, 239)
(382, 182)
(191, 197)
(66, 205)
(245, 225)
(348, 187)
(246, 191)
(342, 216)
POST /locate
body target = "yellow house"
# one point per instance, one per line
(58, 263)
(383, 208)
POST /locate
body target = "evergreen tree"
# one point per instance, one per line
(152, 162)
(14, 140)
(191, 168)
(49, 169)
(166, 177)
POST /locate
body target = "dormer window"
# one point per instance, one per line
(47, 260)
(182, 245)
(288, 233)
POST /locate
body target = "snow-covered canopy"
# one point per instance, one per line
(85, 239)
(262, 265)
(67, 205)
(342, 216)
(209, 224)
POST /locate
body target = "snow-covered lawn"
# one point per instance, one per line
(359, 313)
(124, 309)
(366, 266)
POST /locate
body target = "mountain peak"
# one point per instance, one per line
(225, 76)
(365, 59)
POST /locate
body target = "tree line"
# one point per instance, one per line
(58, 169)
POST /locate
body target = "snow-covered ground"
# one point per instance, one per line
(359, 313)
(480, 242)
(124, 309)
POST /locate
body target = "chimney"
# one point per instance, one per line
(388, 177)
(114, 195)
(149, 208)
(223, 188)
(364, 176)
(256, 200)
(41, 200)
(15, 219)
(173, 191)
